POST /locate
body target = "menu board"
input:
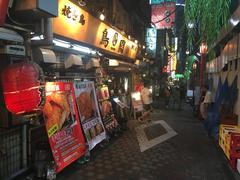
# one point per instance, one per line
(137, 101)
(62, 124)
(120, 103)
(89, 112)
(108, 117)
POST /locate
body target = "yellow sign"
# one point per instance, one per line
(52, 130)
(173, 59)
(75, 23)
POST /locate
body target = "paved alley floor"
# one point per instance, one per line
(174, 146)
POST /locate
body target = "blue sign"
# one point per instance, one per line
(151, 41)
(160, 1)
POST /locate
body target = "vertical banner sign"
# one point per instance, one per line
(163, 15)
(169, 64)
(151, 41)
(173, 60)
(89, 113)
(137, 101)
(109, 120)
(62, 124)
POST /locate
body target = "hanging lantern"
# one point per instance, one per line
(3, 12)
(203, 48)
(22, 88)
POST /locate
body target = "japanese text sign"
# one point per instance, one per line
(62, 124)
(75, 23)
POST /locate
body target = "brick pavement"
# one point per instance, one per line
(189, 155)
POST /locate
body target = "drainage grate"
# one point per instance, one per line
(12, 152)
(154, 131)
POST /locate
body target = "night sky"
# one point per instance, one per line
(140, 7)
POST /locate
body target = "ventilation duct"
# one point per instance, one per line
(44, 56)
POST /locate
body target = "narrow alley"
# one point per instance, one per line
(188, 155)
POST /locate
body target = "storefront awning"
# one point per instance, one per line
(92, 63)
(44, 56)
(73, 60)
(123, 67)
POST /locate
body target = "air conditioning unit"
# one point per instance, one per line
(36, 8)
(13, 50)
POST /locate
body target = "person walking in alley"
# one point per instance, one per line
(182, 96)
(203, 105)
(167, 95)
(146, 97)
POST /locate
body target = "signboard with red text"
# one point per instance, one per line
(62, 124)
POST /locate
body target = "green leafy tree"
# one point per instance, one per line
(207, 18)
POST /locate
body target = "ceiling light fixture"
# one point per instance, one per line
(102, 17)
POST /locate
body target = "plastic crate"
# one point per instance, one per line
(233, 162)
(235, 143)
(221, 142)
(224, 126)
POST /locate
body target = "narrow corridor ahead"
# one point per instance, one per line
(179, 149)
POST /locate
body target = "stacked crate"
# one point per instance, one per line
(229, 141)
(234, 149)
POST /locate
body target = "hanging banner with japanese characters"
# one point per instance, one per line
(163, 15)
(151, 42)
(62, 124)
(89, 113)
(173, 61)
(72, 20)
(168, 70)
(109, 119)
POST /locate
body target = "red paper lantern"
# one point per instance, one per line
(22, 88)
(3, 10)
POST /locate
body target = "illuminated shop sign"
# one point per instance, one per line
(160, 1)
(172, 62)
(163, 15)
(76, 24)
(73, 14)
(151, 41)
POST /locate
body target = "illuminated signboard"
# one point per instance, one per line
(160, 1)
(163, 15)
(151, 41)
(173, 61)
(76, 24)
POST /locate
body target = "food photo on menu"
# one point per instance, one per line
(57, 111)
(87, 106)
(89, 112)
(95, 130)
